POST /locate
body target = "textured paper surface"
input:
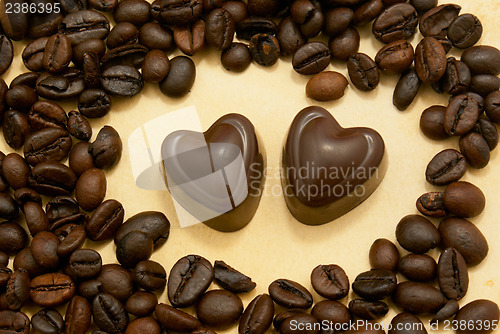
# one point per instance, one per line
(274, 245)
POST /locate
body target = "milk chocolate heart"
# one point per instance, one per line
(217, 176)
(328, 170)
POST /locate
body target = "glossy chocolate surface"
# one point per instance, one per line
(328, 170)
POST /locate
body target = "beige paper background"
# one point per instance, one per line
(274, 245)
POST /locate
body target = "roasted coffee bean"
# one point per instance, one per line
(3, 94)
(78, 316)
(363, 72)
(150, 275)
(126, 55)
(105, 221)
(103, 5)
(209, 5)
(121, 34)
(57, 87)
(47, 321)
(375, 284)
(258, 316)
(289, 37)
(153, 223)
(89, 289)
(483, 59)
(264, 49)
(6, 53)
(70, 241)
(397, 22)
(252, 26)
(109, 314)
(418, 267)
(368, 12)
(465, 31)
(90, 189)
(330, 281)
(155, 66)
(418, 298)
(488, 131)
(156, 36)
(453, 276)
(236, 58)
(15, 128)
(417, 234)
(476, 314)
(449, 309)
(457, 78)
(4, 259)
(231, 279)
(61, 207)
(14, 22)
(9, 209)
(93, 45)
(144, 325)
(332, 312)
(466, 238)
(406, 89)
(24, 259)
(237, 8)
(219, 29)
(437, 20)
(396, 57)
(177, 12)
(431, 205)
(21, 97)
(344, 44)
(219, 308)
(44, 248)
(401, 322)
(367, 309)
(91, 70)
(300, 320)
(51, 290)
(112, 273)
(5, 274)
(47, 114)
(475, 149)
(26, 79)
(13, 238)
(122, 80)
(446, 167)
(311, 58)
(107, 148)
(78, 126)
(308, 14)
(483, 84)
(326, 86)
(84, 264)
(290, 294)
(80, 160)
(136, 12)
(17, 322)
(463, 199)
(18, 289)
(84, 24)
(190, 39)
(71, 6)
(180, 78)
(94, 103)
(263, 8)
(384, 255)
(141, 303)
(422, 6)
(430, 60)
(44, 24)
(280, 317)
(134, 247)
(461, 115)
(189, 279)
(36, 219)
(57, 54)
(25, 195)
(47, 144)
(176, 320)
(337, 20)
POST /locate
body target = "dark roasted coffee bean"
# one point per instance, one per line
(465, 31)
(332, 312)
(3, 94)
(78, 126)
(17, 322)
(47, 114)
(156, 36)
(89, 289)
(189, 279)
(464, 199)
(24, 259)
(125, 55)
(311, 58)
(262, 7)
(4, 259)
(237, 8)
(91, 70)
(61, 207)
(9, 209)
(5, 274)
(134, 247)
(13, 238)
(93, 45)
(47, 321)
(417, 234)
(26, 79)
(375, 284)
(396, 57)
(84, 24)
(418, 267)
(363, 72)
(155, 66)
(180, 78)
(144, 325)
(488, 131)
(150, 275)
(384, 255)
(176, 320)
(330, 281)
(395, 23)
(141, 303)
(368, 310)
(112, 273)
(326, 86)
(430, 60)
(136, 12)
(280, 317)
(57, 54)
(107, 148)
(475, 149)
(153, 223)
(251, 26)
(289, 37)
(84, 264)
(422, 6)
(109, 314)
(476, 314)
(103, 5)
(418, 298)
(15, 170)
(368, 12)
(36, 219)
(290, 294)
(431, 204)
(180, 12)
(406, 89)
(337, 20)
(14, 22)
(44, 24)
(47, 144)
(44, 249)
(121, 34)
(446, 167)
(219, 308)
(51, 290)
(80, 160)
(191, 38)
(453, 276)
(70, 6)
(90, 189)
(21, 97)
(483, 84)
(304, 12)
(105, 220)
(461, 115)
(231, 279)
(447, 311)
(18, 289)
(258, 316)
(401, 322)
(219, 29)
(483, 59)
(15, 128)
(264, 49)
(57, 87)
(466, 238)
(70, 240)
(344, 44)
(6, 53)
(236, 58)
(78, 316)
(437, 20)
(432, 122)
(94, 103)
(308, 322)
(457, 78)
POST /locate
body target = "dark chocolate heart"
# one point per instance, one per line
(328, 170)
(217, 176)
